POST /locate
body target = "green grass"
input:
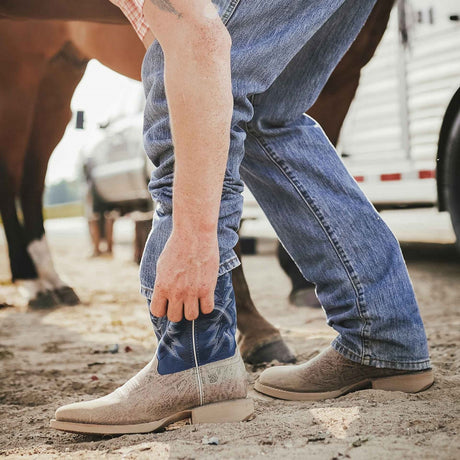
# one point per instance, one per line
(60, 211)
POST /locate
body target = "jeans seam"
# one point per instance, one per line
(352, 276)
(228, 13)
(228, 265)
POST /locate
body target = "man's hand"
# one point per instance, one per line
(186, 277)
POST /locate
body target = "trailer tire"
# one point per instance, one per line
(452, 176)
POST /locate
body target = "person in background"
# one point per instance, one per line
(100, 217)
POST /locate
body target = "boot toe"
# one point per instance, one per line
(76, 412)
(276, 377)
(96, 411)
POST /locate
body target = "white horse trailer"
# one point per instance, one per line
(401, 138)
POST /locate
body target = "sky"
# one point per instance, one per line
(102, 94)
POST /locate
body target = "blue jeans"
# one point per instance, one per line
(282, 55)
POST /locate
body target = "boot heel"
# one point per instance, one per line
(409, 383)
(236, 410)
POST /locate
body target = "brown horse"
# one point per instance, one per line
(41, 63)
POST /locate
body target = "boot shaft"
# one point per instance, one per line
(209, 338)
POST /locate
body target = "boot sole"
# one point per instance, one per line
(237, 410)
(408, 383)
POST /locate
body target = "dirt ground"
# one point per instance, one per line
(55, 357)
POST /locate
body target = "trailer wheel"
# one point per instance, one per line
(452, 176)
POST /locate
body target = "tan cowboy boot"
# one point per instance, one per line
(197, 372)
(330, 375)
(212, 393)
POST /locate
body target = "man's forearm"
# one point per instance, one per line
(198, 90)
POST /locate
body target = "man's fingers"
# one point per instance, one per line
(175, 310)
(191, 308)
(207, 304)
(159, 304)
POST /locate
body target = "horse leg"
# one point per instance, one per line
(20, 262)
(303, 292)
(23, 270)
(52, 114)
(18, 90)
(259, 341)
(330, 111)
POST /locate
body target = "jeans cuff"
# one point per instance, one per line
(367, 360)
(224, 267)
(228, 265)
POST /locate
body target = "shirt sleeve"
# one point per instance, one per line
(132, 9)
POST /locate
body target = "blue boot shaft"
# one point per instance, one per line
(209, 338)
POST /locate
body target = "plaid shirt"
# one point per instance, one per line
(132, 9)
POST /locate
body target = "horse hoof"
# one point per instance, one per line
(44, 300)
(277, 350)
(67, 296)
(304, 298)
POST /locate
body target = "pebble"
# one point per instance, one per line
(213, 441)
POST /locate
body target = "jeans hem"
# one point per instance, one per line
(224, 267)
(228, 265)
(367, 360)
